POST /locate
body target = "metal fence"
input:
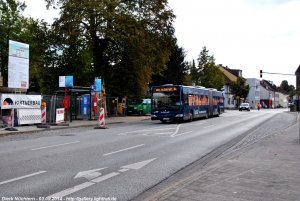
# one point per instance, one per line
(80, 107)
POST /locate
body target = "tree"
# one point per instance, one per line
(286, 87)
(209, 74)
(135, 33)
(194, 75)
(177, 69)
(239, 89)
(10, 27)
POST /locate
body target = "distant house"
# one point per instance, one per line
(230, 75)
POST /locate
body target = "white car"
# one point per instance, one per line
(244, 106)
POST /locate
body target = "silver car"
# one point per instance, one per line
(244, 106)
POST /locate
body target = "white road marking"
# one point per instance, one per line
(82, 186)
(151, 129)
(123, 150)
(209, 126)
(18, 178)
(181, 134)
(204, 122)
(70, 190)
(55, 145)
(177, 129)
(239, 124)
(123, 170)
(163, 133)
(134, 166)
(138, 165)
(104, 177)
(224, 122)
(83, 173)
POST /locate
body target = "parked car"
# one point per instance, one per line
(139, 106)
(244, 106)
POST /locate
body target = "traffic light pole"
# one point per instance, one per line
(261, 73)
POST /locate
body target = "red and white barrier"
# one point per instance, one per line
(101, 117)
(12, 113)
(43, 115)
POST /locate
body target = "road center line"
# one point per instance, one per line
(18, 178)
(123, 150)
(181, 134)
(208, 126)
(54, 145)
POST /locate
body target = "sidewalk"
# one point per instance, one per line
(74, 124)
(266, 170)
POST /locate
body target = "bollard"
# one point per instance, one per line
(43, 114)
(101, 117)
(101, 120)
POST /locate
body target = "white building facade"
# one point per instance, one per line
(229, 100)
(254, 93)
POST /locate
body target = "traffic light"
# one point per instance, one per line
(260, 73)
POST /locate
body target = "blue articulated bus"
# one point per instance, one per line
(185, 103)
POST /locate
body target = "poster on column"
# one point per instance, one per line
(18, 65)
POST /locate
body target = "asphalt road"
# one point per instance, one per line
(118, 163)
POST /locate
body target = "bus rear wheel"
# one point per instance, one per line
(218, 114)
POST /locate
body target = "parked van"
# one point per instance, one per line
(139, 106)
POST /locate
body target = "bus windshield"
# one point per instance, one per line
(166, 101)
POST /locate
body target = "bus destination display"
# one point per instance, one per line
(165, 89)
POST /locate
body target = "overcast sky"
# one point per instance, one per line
(250, 35)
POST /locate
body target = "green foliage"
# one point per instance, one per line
(177, 69)
(239, 89)
(10, 29)
(207, 74)
(137, 34)
(286, 87)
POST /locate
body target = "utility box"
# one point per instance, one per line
(120, 108)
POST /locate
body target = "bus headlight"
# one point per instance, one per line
(179, 115)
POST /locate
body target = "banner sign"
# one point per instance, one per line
(9, 101)
(66, 81)
(98, 85)
(60, 115)
(18, 65)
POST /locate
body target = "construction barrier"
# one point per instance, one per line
(60, 115)
(101, 120)
(43, 114)
(101, 117)
(11, 122)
